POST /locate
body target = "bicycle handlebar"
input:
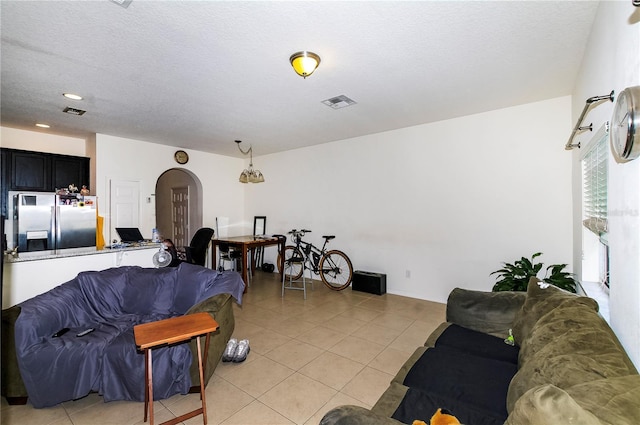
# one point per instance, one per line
(301, 231)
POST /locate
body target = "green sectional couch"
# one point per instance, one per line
(566, 367)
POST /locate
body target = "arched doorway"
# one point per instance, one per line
(178, 205)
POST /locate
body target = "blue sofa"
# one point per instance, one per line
(113, 301)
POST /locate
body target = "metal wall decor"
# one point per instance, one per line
(595, 99)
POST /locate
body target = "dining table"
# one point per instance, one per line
(247, 245)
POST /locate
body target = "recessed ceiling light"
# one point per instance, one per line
(43, 125)
(72, 96)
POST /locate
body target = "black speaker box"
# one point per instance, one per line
(373, 283)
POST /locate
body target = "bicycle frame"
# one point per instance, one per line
(333, 266)
(311, 253)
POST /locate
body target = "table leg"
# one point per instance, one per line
(148, 392)
(214, 245)
(281, 246)
(244, 267)
(253, 261)
(200, 368)
(206, 356)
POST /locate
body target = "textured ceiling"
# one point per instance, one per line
(200, 74)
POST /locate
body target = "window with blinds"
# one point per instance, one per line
(594, 189)
(594, 200)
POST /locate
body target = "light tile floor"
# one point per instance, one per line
(307, 356)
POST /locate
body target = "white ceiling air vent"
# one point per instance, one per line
(73, 111)
(338, 102)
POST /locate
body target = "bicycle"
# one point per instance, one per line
(334, 267)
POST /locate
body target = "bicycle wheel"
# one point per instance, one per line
(293, 259)
(336, 270)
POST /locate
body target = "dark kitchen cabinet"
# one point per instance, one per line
(30, 171)
(69, 169)
(4, 181)
(40, 172)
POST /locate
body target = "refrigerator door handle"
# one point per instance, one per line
(55, 225)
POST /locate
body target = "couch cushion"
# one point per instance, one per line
(539, 302)
(229, 282)
(614, 401)
(572, 355)
(191, 283)
(149, 291)
(122, 374)
(63, 368)
(421, 405)
(478, 381)
(473, 342)
(349, 414)
(390, 400)
(104, 290)
(549, 405)
(408, 365)
(561, 323)
(489, 312)
(563, 371)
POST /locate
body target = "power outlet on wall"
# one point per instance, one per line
(407, 274)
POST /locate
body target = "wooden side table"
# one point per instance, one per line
(170, 331)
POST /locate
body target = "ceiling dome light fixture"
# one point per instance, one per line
(304, 63)
(249, 175)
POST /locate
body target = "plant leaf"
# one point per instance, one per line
(516, 276)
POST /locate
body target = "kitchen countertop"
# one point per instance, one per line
(75, 252)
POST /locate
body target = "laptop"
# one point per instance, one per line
(129, 234)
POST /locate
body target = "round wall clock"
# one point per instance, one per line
(181, 157)
(625, 132)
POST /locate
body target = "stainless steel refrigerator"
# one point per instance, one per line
(45, 221)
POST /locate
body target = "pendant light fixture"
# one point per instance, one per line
(249, 175)
(304, 63)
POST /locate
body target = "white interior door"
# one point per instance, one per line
(125, 205)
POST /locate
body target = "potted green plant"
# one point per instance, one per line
(515, 277)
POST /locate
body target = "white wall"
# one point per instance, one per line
(127, 159)
(612, 62)
(447, 201)
(14, 138)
